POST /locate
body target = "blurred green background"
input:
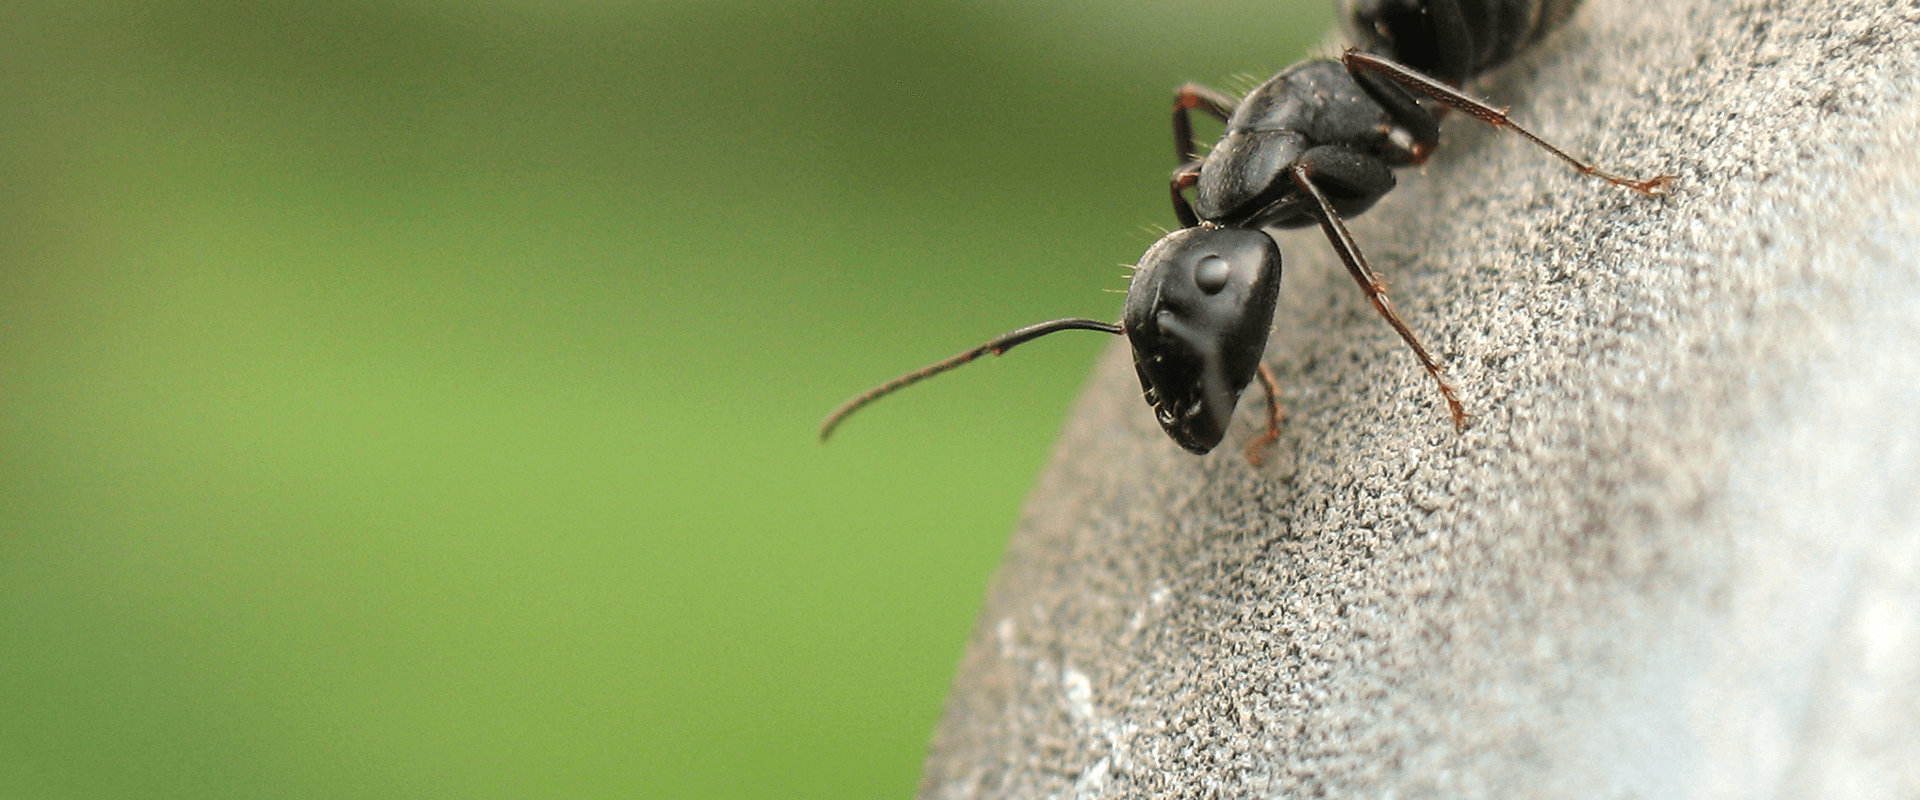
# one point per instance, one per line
(416, 398)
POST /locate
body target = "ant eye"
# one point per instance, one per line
(1211, 274)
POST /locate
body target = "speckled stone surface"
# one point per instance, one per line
(1676, 556)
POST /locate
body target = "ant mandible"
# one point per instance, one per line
(1315, 144)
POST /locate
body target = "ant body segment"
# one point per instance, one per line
(1313, 145)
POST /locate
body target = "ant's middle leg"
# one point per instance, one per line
(1376, 292)
(1359, 62)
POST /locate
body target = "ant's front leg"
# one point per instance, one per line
(1184, 178)
(1186, 99)
(1192, 96)
(1257, 446)
(1216, 104)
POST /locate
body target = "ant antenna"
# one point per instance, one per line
(996, 346)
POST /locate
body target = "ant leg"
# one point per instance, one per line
(1358, 62)
(1421, 124)
(1256, 447)
(1216, 104)
(1343, 244)
(1184, 178)
(1188, 97)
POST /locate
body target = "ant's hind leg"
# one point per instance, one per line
(1359, 62)
(1422, 125)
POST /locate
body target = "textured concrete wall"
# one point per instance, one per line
(1678, 553)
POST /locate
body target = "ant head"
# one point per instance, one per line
(1198, 313)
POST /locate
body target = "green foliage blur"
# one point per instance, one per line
(416, 398)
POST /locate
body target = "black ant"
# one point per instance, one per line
(1313, 145)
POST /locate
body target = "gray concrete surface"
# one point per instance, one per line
(1676, 556)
